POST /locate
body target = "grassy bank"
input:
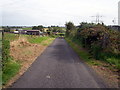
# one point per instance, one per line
(110, 62)
(108, 72)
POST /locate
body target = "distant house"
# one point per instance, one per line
(13, 30)
(22, 31)
(16, 32)
(34, 32)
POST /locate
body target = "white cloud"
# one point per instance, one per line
(55, 12)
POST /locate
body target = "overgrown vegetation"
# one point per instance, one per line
(101, 43)
(9, 66)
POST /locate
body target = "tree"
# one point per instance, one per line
(40, 27)
(34, 28)
(69, 27)
(6, 29)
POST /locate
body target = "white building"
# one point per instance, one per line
(119, 13)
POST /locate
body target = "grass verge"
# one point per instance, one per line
(81, 52)
(11, 68)
(108, 72)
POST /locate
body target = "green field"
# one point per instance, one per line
(37, 39)
(29, 28)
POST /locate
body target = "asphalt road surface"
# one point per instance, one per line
(59, 67)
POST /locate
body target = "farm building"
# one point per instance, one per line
(34, 32)
(22, 31)
(13, 30)
(16, 32)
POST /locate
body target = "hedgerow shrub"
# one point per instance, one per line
(101, 42)
(5, 50)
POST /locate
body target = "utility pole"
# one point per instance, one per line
(97, 18)
(119, 13)
(2, 34)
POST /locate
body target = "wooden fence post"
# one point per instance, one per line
(2, 34)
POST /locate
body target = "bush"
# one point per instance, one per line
(114, 61)
(96, 50)
(102, 43)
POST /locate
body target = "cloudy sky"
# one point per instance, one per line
(56, 12)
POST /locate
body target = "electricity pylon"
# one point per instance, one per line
(97, 18)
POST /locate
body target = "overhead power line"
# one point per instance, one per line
(97, 18)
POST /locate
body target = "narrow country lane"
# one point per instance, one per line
(59, 67)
